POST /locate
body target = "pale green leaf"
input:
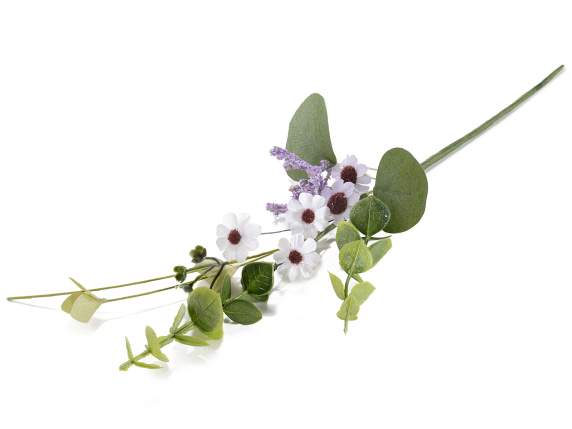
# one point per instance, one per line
(189, 340)
(338, 286)
(379, 249)
(178, 318)
(401, 184)
(154, 344)
(146, 365)
(226, 289)
(355, 257)
(70, 301)
(361, 292)
(129, 349)
(349, 309)
(84, 307)
(346, 233)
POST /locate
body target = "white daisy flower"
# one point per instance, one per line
(340, 198)
(349, 170)
(297, 257)
(307, 214)
(237, 236)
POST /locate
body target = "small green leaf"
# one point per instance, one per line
(379, 249)
(129, 349)
(69, 301)
(85, 306)
(349, 309)
(146, 365)
(355, 257)
(258, 279)
(189, 340)
(338, 286)
(78, 284)
(309, 135)
(178, 318)
(346, 233)
(361, 292)
(226, 289)
(369, 215)
(401, 184)
(242, 311)
(205, 309)
(154, 345)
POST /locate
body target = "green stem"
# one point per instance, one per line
(121, 298)
(457, 144)
(165, 341)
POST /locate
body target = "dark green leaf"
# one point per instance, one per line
(154, 345)
(346, 233)
(257, 279)
(189, 340)
(355, 257)
(379, 249)
(242, 311)
(369, 215)
(225, 291)
(205, 309)
(401, 184)
(308, 134)
(338, 286)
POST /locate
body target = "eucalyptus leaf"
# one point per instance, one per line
(205, 309)
(401, 184)
(258, 279)
(349, 309)
(226, 289)
(346, 233)
(370, 215)
(309, 135)
(154, 345)
(355, 257)
(85, 306)
(189, 340)
(338, 286)
(178, 318)
(379, 249)
(70, 301)
(242, 311)
(362, 291)
(217, 333)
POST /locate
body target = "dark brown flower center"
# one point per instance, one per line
(338, 203)
(349, 174)
(308, 216)
(295, 257)
(234, 236)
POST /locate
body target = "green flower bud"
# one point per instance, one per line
(198, 254)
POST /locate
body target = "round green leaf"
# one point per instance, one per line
(346, 233)
(242, 311)
(205, 309)
(258, 279)
(355, 257)
(401, 184)
(309, 135)
(370, 215)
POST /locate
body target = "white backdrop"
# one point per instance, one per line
(128, 128)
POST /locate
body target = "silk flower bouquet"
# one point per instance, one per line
(330, 199)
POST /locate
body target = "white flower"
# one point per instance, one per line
(340, 198)
(307, 214)
(237, 236)
(297, 257)
(350, 171)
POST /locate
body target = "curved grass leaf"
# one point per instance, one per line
(154, 345)
(309, 135)
(346, 233)
(338, 286)
(401, 184)
(242, 311)
(205, 309)
(379, 249)
(355, 257)
(370, 215)
(258, 279)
